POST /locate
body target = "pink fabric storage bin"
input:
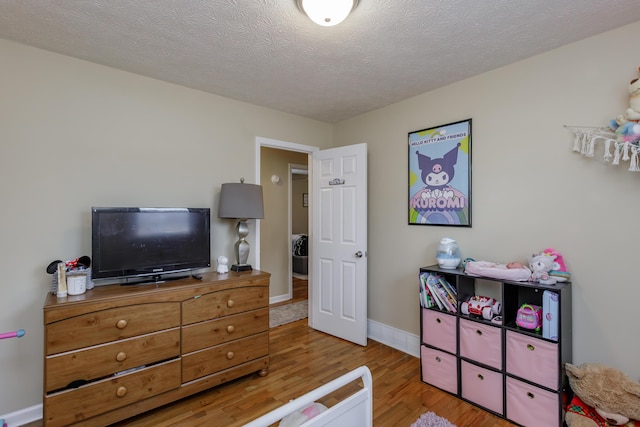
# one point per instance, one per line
(482, 386)
(533, 359)
(531, 406)
(439, 330)
(439, 369)
(481, 343)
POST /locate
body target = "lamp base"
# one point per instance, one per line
(241, 267)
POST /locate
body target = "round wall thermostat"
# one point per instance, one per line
(275, 179)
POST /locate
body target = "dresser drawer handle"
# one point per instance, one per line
(438, 320)
(121, 356)
(479, 332)
(530, 395)
(230, 355)
(438, 359)
(480, 377)
(121, 391)
(231, 329)
(530, 347)
(230, 303)
(121, 324)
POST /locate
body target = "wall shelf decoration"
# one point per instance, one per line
(587, 137)
(622, 135)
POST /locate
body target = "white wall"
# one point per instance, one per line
(75, 135)
(529, 190)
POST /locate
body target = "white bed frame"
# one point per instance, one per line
(354, 411)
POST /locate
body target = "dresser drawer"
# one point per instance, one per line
(532, 406)
(533, 359)
(100, 361)
(213, 332)
(482, 386)
(439, 330)
(481, 343)
(224, 303)
(110, 325)
(71, 406)
(224, 356)
(439, 369)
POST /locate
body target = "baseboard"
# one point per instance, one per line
(23, 416)
(279, 298)
(396, 338)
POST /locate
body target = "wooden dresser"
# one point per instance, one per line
(116, 351)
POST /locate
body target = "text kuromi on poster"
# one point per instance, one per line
(440, 175)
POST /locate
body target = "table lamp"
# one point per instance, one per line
(242, 202)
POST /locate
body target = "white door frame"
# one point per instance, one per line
(282, 145)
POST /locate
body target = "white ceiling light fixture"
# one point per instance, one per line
(327, 12)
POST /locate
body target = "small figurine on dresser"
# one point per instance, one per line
(223, 264)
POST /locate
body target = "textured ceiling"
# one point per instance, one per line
(266, 52)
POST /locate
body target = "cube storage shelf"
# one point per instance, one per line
(512, 372)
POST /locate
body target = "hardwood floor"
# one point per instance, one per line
(303, 359)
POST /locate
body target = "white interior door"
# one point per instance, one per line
(338, 243)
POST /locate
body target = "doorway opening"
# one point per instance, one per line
(298, 212)
(280, 166)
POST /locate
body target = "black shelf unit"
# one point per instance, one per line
(515, 373)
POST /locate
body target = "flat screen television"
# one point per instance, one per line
(139, 242)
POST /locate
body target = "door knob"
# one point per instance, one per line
(359, 254)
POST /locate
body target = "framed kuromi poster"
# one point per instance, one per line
(440, 175)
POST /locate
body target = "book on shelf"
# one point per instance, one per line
(434, 296)
(447, 286)
(440, 295)
(452, 295)
(447, 297)
(449, 302)
(426, 300)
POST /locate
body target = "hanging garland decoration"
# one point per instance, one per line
(622, 135)
(615, 149)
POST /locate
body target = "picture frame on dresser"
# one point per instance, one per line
(439, 164)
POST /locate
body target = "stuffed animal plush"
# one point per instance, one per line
(633, 112)
(300, 417)
(559, 270)
(627, 126)
(541, 265)
(604, 396)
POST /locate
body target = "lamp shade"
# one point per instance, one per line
(241, 201)
(327, 12)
